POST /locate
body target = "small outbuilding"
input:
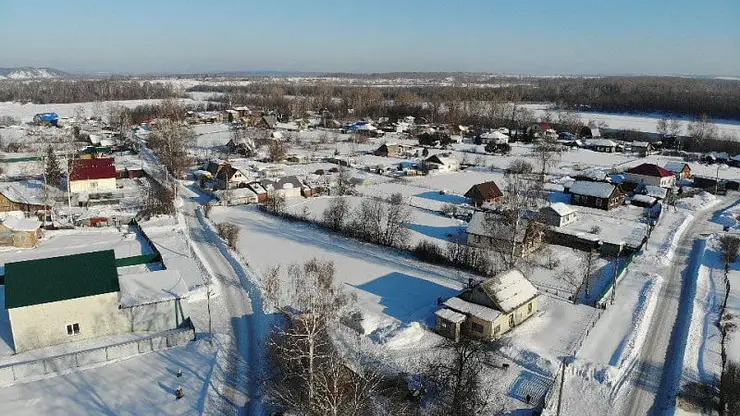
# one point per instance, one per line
(559, 214)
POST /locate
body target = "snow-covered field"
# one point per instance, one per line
(397, 296)
(25, 112)
(645, 123)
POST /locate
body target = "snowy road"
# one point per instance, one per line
(245, 359)
(657, 372)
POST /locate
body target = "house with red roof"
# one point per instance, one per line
(92, 175)
(650, 174)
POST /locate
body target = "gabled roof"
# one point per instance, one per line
(600, 143)
(270, 120)
(595, 189)
(649, 169)
(442, 160)
(676, 167)
(509, 290)
(487, 190)
(562, 209)
(29, 192)
(469, 308)
(84, 169)
(655, 191)
(53, 279)
(286, 182)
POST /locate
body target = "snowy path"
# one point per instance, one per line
(657, 372)
(243, 315)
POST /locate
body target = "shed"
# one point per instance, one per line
(482, 193)
(559, 214)
(153, 299)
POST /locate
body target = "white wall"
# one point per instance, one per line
(93, 185)
(156, 317)
(666, 182)
(43, 325)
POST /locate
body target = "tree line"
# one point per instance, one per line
(689, 97)
(77, 91)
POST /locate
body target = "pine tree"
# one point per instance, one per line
(53, 171)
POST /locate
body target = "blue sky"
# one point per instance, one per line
(517, 37)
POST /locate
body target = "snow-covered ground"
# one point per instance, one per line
(25, 112)
(604, 364)
(397, 296)
(645, 123)
(702, 361)
(141, 385)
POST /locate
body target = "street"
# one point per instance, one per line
(657, 374)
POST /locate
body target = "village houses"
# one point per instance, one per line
(489, 309)
(600, 195)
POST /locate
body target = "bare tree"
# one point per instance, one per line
(570, 120)
(547, 152)
(519, 166)
(169, 140)
(159, 199)
(396, 233)
(229, 232)
(368, 220)
(587, 263)
(276, 150)
(275, 203)
(674, 128)
(335, 215)
(513, 230)
(661, 126)
(702, 130)
(729, 247)
(457, 373)
(311, 377)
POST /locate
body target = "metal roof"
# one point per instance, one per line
(54, 279)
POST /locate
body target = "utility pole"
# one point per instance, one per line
(716, 182)
(616, 272)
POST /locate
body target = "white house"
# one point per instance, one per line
(92, 175)
(71, 298)
(289, 187)
(494, 137)
(650, 174)
(441, 163)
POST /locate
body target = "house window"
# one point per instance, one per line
(511, 321)
(529, 307)
(73, 329)
(496, 329)
(476, 327)
(598, 202)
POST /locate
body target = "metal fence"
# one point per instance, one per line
(68, 362)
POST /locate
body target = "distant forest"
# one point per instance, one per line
(673, 96)
(78, 91)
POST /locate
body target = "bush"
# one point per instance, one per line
(519, 167)
(430, 252)
(229, 232)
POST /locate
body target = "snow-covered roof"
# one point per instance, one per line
(21, 224)
(644, 199)
(595, 189)
(675, 167)
(655, 191)
(151, 287)
(640, 144)
(236, 193)
(594, 174)
(469, 308)
(601, 142)
(450, 315)
(444, 160)
(509, 290)
(562, 209)
(496, 135)
(24, 192)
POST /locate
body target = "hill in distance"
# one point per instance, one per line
(28, 72)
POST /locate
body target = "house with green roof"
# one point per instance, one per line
(70, 298)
